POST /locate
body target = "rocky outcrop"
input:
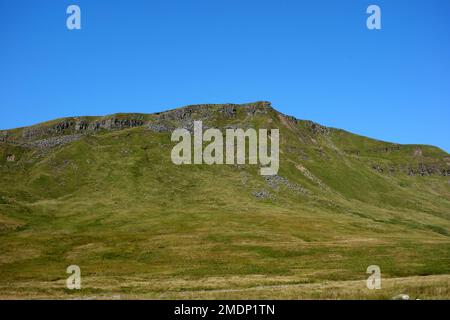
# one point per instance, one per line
(276, 181)
(54, 141)
(160, 127)
(32, 133)
(317, 129)
(3, 136)
(78, 126)
(184, 117)
(208, 111)
(261, 107)
(427, 170)
(159, 122)
(111, 124)
(423, 169)
(228, 111)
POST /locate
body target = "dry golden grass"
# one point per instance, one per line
(252, 287)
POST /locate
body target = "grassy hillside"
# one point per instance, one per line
(102, 193)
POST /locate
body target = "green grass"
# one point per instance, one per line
(137, 225)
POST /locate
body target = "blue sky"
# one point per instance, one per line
(313, 59)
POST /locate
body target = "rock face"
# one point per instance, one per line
(108, 124)
(427, 170)
(77, 126)
(318, 129)
(421, 170)
(66, 130)
(183, 118)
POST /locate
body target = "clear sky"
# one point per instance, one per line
(313, 59)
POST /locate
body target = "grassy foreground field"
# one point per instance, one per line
(103, 194)
(236, 288)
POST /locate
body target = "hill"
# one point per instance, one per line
(102, 193)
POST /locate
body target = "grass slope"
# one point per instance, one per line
(113, 203)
